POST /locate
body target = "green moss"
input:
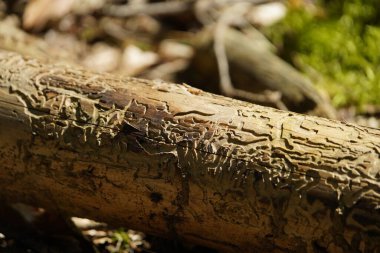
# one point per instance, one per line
(341, 41)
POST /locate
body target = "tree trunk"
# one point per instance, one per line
(179, 162)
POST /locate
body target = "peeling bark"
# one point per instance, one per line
(179, 162)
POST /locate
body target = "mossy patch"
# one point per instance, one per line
(338, 40)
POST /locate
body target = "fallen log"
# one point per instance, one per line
(179, 162)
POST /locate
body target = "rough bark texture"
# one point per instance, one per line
(173, 160)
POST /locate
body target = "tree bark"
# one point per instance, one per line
(179, 162)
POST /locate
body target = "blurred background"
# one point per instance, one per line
(313, 57)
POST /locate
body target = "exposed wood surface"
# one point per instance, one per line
(179, 162)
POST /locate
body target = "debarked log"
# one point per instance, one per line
(176, 161)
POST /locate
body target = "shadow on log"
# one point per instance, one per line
(182, 163)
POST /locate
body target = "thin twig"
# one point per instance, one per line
(221, 58)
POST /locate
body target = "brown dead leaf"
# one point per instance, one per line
(39, 12)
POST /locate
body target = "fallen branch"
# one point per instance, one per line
(254, 68)
(226, 87)
(179, 162)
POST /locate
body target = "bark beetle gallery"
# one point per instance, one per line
(176, 161)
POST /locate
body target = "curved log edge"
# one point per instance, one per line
(176, 161)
